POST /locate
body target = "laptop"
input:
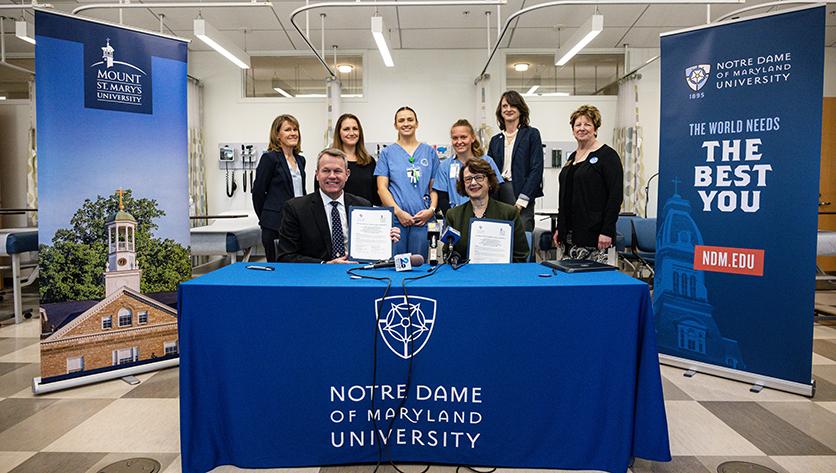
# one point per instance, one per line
(578, 265)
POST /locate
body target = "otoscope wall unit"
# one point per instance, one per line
(239, 156)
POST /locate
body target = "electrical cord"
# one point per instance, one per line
(391, 424)
(474, 470)
(352, 272)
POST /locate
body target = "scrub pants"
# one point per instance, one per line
(413, 240)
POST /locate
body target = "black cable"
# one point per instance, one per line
(474, 470)
(351, 271)
(391, 425)
(392, 464)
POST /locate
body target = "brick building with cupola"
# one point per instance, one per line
(126, 327)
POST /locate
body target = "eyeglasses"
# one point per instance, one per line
(478, 178)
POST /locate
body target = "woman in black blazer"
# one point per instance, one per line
(518, 153)
(280, 176)
(591, 191)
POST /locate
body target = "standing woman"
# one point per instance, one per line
(518, 151)
(591, 191)
(349, 138)
(467, 147)
(405, 182)
(280, 176)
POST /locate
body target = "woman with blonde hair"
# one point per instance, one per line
(466, 146)
(280, 176)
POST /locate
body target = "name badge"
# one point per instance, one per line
(454, 171)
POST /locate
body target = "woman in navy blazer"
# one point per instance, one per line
(280, 176)
(518, 153)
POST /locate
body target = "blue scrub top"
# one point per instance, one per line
(394, 164)
(445, 182)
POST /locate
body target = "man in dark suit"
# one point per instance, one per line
(314, 227)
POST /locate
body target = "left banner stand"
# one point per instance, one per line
(113, 193)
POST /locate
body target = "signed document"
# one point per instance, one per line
(491, 241)
(368, 233)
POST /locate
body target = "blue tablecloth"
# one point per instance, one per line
(509, 369)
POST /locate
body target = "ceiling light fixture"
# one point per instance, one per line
(283, 92)
(24, 31)
(585, 34)
(213, 38)
(377, 33)
(532, 90)
(521, 66)
(345, 68)
(2, 97)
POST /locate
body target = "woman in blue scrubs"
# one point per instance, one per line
(405, 173)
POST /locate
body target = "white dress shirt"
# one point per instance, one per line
(340, 208)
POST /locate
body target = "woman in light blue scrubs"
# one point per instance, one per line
(405, 173)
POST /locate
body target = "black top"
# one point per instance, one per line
(590, 196)
(362, 182)
(273, 186)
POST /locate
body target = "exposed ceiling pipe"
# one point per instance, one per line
(373, 4)
(767, 5)
(22, 6)
(98, 6)
(558, 3)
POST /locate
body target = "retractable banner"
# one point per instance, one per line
(738, 181)
(113, 191)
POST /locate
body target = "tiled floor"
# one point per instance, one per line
(711, 420)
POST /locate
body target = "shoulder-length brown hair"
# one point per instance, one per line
(477, 166)
(275, 144)
(476, 147)
(514, 99)
(363, 157)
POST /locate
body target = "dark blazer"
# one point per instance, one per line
(459, 218)
(526, 162)
(305, 236)
(597, 193)
(273, 186)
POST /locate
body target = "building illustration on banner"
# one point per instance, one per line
(685, 324)
(125, 328)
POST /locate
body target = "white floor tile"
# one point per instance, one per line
(824, 332)
(807, 464)
(695, 431)
(30, 354)
(27, 328)
(822, 360)
(9, 460)
(126, 425)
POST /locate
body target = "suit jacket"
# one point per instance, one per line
(459, 218)
(526, 161)
(305, 236)
(273, 186)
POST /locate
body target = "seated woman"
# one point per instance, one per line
(476, 181)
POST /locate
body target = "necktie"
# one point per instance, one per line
(337, 237)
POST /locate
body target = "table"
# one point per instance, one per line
(14, 242)
(228, 234)
(528, 371)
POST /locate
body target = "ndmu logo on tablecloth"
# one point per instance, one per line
(405, 323)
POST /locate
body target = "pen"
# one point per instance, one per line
(260, 268)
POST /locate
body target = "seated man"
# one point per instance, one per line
(315, 226)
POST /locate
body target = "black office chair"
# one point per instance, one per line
(646, 242)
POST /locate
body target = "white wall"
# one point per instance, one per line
(439, 85)
(15, 119)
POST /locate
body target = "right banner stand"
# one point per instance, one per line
(739, 157)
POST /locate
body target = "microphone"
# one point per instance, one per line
(414, 262)
(432, 236)
(451, 236)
